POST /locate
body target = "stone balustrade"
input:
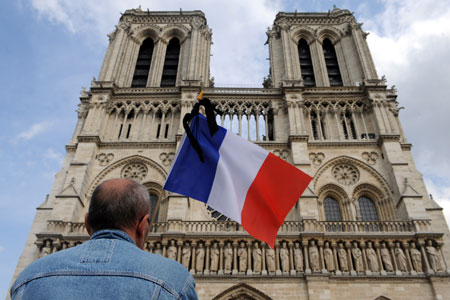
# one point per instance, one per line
(288, 227)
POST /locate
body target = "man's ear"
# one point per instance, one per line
(86, 224)
(142, 229)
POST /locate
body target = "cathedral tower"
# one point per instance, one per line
(365, 228)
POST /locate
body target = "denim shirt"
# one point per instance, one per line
(108, 266)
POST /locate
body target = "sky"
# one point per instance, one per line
(50, 49)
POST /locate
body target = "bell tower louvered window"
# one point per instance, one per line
(332, 211)
(306, 63)
(169, 75)
(334, 75)
(143, 64)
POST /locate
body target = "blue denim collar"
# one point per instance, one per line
(112, 234)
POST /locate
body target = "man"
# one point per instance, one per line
(110, 265)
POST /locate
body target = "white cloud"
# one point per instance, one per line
(2, 249)
(53, 156)
(33, 130)
(239, 53)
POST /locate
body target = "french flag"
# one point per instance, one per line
(239, 179)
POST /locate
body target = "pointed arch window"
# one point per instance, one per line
(332, 211)
(154, 205)
(169, 75)
(367, 209)
(143, 62)
(334, 75)
(306, 66)
(348, 126)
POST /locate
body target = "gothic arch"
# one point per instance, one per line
(242, 291)
(146, 31)
(338, 194)
(383, 203)
(122, 162)
(329, 32)
(305, 33)
(356, 162)
(382, 298)
(171, 31)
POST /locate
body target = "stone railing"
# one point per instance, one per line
(288, 227)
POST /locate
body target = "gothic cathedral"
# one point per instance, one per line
(365, 228)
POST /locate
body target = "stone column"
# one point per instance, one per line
(408, 258)
(394, 259)
(425, 257)
(194, 257)
(348, 246)
(179, 243)
(221, 245)
(263, 269)
(366, 265)
(207, 245)
(249, 259)
(291, 258)
(335, 259)
(277, 259)
(235, 260)
(380, 261)
(164, 244)
(322, 262)
(306, 256)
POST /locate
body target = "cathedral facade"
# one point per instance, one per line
(365, 228)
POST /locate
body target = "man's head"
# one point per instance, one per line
(120, 204)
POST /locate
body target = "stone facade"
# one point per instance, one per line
(365, 228)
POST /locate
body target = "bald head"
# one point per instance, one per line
(117, 204)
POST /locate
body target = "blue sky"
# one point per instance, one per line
(51, 48)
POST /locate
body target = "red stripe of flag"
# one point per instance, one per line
(275, 190)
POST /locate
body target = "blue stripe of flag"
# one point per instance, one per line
(189, 176)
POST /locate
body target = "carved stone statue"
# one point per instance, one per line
(257, 258)
(172, 250)
(298, 258)
(329, 257)
(386, 258)
(401, 258)
(314, 257)
(357, 258)
(416, 258)
(284, 257)
(47, 249)
(228, 254)
(342, 255)
(242, 253)
(186, 255)
(214, 258)
(158, 249)
(270, 257)
(200, 258)
(372, 259)
(433, 256)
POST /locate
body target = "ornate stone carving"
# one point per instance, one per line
(316, 158)
(214, 258)
(172, 251)
(158, 249)
(298, 257)
(228, 254)
(314, 257)
(257, 258)
(345, 174)
(386, 258)
(167, 158)
(136, 171)
(105, 158)
(270, 258)
(186, 255)
(372, 259)
(47, 249)
(281, 153)
(242, 253)
(370, 157)
(401, 258)
(433, 256)
(342, 255)
(328, 257)
(416, 258)
(284, 257)
(200, 258)
(357, 258)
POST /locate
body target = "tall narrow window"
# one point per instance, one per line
(143, 64)
(334, 75)
(306, 63)
(332, 211)
(169, 75)
(154, 205)
(367, 209)
(315, 129)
